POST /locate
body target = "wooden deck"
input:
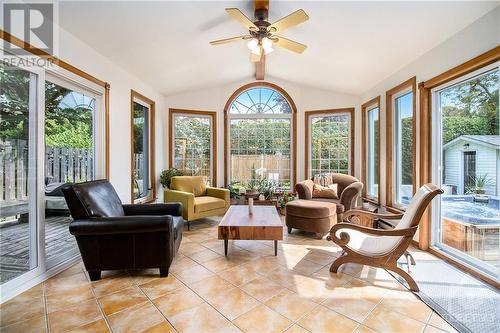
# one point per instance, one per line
(14, 245)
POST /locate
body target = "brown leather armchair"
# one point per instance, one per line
(112, 236)
(349, 190)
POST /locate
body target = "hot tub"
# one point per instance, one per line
(463, 208)
(471, 226)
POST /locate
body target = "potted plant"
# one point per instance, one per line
(234, 192)
(267, 188)
(283, 199)
(166, 176)
(479, 183)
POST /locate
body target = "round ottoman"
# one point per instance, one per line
(310, 215)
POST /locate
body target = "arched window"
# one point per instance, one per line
(260, 121)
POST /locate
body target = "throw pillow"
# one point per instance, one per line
(327, 192)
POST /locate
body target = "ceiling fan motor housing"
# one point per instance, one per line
(261, 14)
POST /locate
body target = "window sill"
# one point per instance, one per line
(371, 200)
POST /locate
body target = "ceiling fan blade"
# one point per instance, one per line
(229, 40)
(255, 57)
(289, 44)
(295, 18)
(240, 17)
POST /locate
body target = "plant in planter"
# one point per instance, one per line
(285, 197)
(234, 192)
(166, 176)
(480, 182)
(267, 188)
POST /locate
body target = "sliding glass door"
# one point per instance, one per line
(18, 167)
(69, 159)
(52, 133)
(467, 166)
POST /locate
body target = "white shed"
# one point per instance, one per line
(470, 156)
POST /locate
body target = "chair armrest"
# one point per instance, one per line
(303, 191)
(344, 236)
(363, 213)
(185, 198)
(221, 193)
(121, 225)
(174, 209)
(349, 195)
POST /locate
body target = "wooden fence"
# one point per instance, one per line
(62, 164)
(270, 166)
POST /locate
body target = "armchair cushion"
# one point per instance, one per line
(204, 204)
(369, 245)
(192, 184)
(96, 198)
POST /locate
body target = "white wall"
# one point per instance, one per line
(215, 98)
(477, 38)
(82, 56)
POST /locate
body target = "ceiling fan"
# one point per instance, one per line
(262, 35)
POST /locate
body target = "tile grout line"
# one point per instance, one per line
(151, 301)
(206, 301)
(99, 304)
(45, 308)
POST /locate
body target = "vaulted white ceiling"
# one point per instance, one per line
(351, 45)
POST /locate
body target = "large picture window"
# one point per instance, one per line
(370, 167)
(193, 143)
(260, 120)
(329, 141)
(142, 134)
(400, 103)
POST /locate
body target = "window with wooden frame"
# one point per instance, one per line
(400, 144)
(329, 141)
(260, 136)
(193, 143)
(370, 149)
(142, 121)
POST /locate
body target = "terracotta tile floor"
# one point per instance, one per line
(251, 291)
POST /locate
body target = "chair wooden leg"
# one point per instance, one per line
(338, 262)
(411, 282)
(289, 230)
(189, 225)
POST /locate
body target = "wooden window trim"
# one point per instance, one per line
(313, 113)
(213, 116)
(425, 140)
(412, 84)
(152, 171)
(294, 126)
(364, 137)
(70, 68)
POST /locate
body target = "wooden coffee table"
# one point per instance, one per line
(263, 224)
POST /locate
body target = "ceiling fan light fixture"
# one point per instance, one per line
(267, 45)
(253, 45)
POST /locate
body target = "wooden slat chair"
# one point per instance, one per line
(379, 247)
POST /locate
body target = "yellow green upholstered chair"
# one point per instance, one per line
(198, 200)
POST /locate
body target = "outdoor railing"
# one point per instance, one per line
(62, 164)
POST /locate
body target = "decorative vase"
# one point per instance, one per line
(250, 206)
